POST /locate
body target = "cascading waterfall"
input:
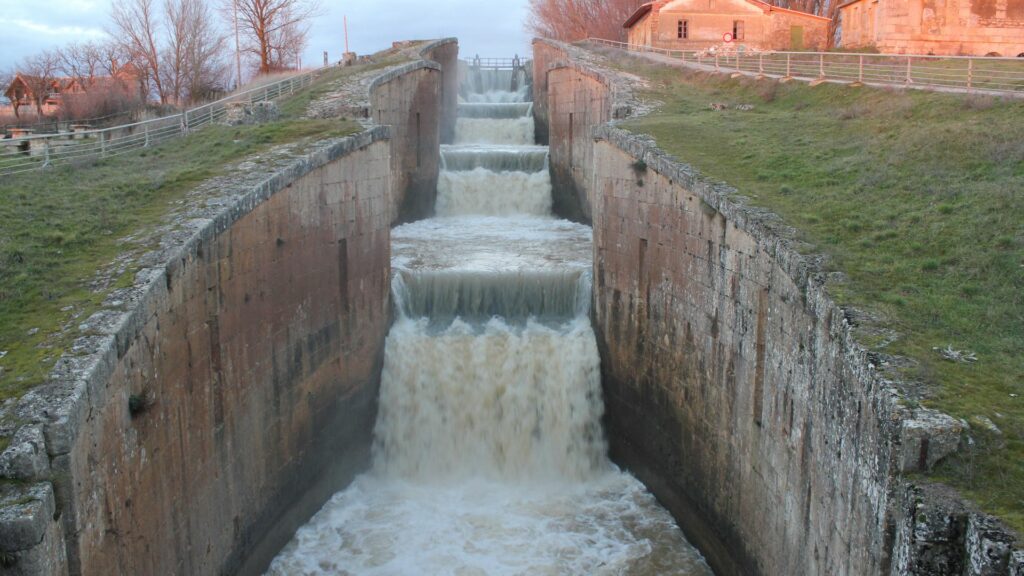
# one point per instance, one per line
(489, 457)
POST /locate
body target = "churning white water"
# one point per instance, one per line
(489, 457)
(494, 131)
(482, 191)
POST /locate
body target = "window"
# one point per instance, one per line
(737, 29)
(683, 31)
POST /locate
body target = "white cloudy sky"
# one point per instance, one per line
(488, 28)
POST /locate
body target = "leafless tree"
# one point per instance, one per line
(274, 31)
(136, 24)
(572, 20)
(82, 61)
(6, 76)
(39, 73)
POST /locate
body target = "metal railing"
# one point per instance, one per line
(993, 75)
(34, 152)
(499, 63)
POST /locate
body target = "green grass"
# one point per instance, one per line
(919, 199)
(62, 225)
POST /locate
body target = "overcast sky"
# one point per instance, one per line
(489, 28)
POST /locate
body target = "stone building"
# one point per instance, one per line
(946, 27)
(701, 24)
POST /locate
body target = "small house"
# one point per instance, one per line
(703, 24)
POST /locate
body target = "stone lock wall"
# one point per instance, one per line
(446, 53)
(211, 408)
(252, 345)
(239, 384)
(734, 387)
(408, 99)
(570, 99)
(727, 380)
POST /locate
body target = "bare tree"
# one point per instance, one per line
(82, 61)
(135, 22)
(274, 31)
(39, 73)
(572, 20)
(193, 57)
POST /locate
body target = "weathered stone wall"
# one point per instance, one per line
(212, 407)
(570, 99)
(446, 53)
(235, 384)
(731, 384)
(970, 28)
(734, 387)
(408, 99)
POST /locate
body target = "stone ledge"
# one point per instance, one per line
(25, 513)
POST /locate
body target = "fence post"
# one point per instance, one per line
(46, 152)
(266, 93)
(908, 70)
(760, 64)
(146, 144)
(789, 65)
(716, 62)
(860, 71)
(970, 72)
(821, 65)
(103, 144)
(184, 123)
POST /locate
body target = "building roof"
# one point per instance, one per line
(768, 8)
(638, 15)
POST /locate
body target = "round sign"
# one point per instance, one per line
(727, 37)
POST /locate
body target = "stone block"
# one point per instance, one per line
(926, 438)
(25, 458)
(26, 511)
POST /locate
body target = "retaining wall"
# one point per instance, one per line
(211, 408)
(408, 99)
(734, 387)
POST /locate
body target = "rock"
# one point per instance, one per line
(988, 546)
(927, 438)
(25, 514)
(25, 458)
(986, 424)
(239, 113)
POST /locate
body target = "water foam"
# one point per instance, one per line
(494, 131)
(482, 191)
(488, 456)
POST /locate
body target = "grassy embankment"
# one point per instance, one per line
(60, 226)
(919, 199)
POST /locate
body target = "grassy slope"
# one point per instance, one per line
(919, 199)
(60, 226)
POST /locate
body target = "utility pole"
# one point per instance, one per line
(346, 33)
(238, 52)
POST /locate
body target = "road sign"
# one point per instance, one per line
(727, 37)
